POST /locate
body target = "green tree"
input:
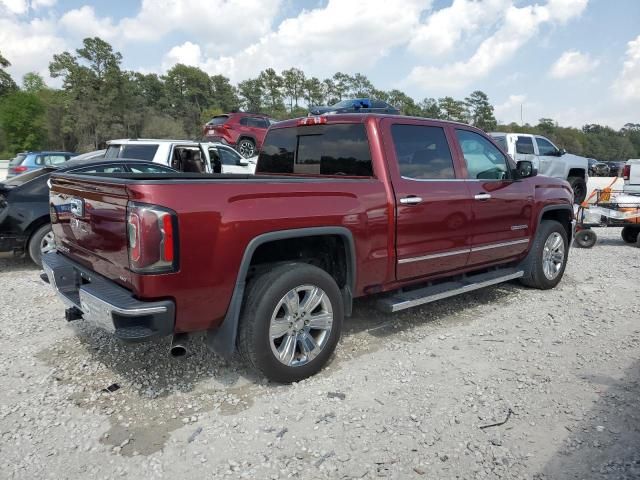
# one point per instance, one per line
(272, 90)
(313, 91)
(452, 109)
(342, 83)
(22, 121)
(293, 85)
(251, 92)
(189, 92)
(480, 111)
(430, 108)
(404, 103)
(224, 95)
(7, 85)
(360, 86)
(33, 82)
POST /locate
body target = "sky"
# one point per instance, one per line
(575, 61)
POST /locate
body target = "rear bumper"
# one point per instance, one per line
(102, 302)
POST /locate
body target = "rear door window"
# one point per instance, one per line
(17, 160)
(422, 152)
(337, 149)
(524, 145)
(55, 159)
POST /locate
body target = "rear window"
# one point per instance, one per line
(135, 152)
(219, 120)
(17, 160)
(337, 149)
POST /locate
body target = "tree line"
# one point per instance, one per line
(99, 100)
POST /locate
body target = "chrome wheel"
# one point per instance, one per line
(48, 243)
(246, 148)
(300, 325)
(553, 256)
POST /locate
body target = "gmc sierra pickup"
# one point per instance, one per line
(341, 206)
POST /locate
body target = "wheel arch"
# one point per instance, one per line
(577, 172)
(33, 228)
(222, 340)
(560, 213)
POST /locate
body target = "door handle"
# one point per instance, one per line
(482, 196)
(411, 200)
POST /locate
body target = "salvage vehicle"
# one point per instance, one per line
(342, 206)
(182, 155)
(597, 168)
(241, 130)
(25, 223)
(548, 159)
(354, 105)
(28, 161)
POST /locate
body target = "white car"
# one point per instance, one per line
(183, 155)
(548, 159)
(631, 175)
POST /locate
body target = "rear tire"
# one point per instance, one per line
(579, 187)
(270, 319)
(41, 242)
(547, 259)
(630, 234)
(586, 238)
(247, 147)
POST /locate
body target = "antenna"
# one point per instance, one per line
(521, 114)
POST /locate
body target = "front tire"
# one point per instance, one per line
(547, 259)
(291, 322)
(41, 242)
(579, 187)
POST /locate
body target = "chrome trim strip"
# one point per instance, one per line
(434, 179)
(519, 227)
(500, 245)
(434, 255)
(129, 312)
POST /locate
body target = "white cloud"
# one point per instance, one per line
(518, 26)
(188, 53)
(444, 29)
(83, 22)
(349, 36)
(29, 46)
(36, 4)
(573, 63)
(14, 7)
(627, 85)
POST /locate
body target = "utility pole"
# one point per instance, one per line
(521, 115)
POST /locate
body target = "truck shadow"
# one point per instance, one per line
(606, 444)
(10, 264)
(147, 395)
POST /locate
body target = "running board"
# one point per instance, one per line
(403, 300)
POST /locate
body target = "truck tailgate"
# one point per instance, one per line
(89, 220)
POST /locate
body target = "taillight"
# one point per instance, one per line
(626, 172)
(19, 169)
(152, 238)
(321, 120)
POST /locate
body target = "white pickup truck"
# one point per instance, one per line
(183, 155)
(631, 176)
(548, 159)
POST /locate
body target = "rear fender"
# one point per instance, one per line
(222, 340)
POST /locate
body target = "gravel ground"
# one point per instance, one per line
(410, 395)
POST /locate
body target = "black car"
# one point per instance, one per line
(616, 167)
(597, 168)
(24, 202)
(355, 105)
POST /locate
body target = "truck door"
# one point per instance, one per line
(433, 206)
(525, 150)
(548, 155)
(502, 206)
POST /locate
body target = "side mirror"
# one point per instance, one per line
(525, 169)
(243, 162)
(561, 152)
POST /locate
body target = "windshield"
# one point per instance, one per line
(17, 160)
(344, 103)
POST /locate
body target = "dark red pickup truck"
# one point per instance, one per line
(342, 206)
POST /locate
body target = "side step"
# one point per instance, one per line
(403, 300)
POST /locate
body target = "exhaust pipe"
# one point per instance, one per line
(179, 345)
